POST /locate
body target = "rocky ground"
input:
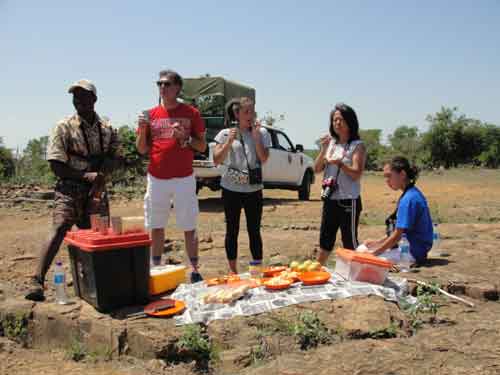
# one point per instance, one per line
(361, 335)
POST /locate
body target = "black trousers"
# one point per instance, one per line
(343, 214)
(252, 205)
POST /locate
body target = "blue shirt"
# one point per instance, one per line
(414, 217)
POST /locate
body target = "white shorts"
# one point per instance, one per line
(158, 200)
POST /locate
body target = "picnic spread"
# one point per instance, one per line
(104, 278)
(260, 299)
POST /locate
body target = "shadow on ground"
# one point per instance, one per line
(435, 262)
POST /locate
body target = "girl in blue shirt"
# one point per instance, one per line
(412, 215)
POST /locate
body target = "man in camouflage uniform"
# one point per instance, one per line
(82, 149)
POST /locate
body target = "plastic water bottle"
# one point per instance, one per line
(404, 254)
(436, 238)
(60, 284)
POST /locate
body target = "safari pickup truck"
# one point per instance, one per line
(287, 166)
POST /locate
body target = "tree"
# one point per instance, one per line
(406, 141)
(375, 151)
(490, 155)
(455, 140)
(7, 165)
(270, 119)
(134, 163)
(33, 162)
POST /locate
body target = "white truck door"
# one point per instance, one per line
(272, 168)
(290, 159)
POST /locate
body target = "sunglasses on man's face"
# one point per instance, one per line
(247, 111)
(164, 83)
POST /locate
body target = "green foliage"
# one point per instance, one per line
(307, 330)
(134, 164)
(262, 351)
(406, 140)
(454, 140)
(424, 305)
(376, 152)
(34, 160)
(310, 331)
(32, 166)
(277, 324)
(490, 154)
(15, 327)
(76, 350)
(444, 137)
(101, 353)
(385, 333)
(7, 165)
(195, 342)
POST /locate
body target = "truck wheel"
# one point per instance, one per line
(305, 188)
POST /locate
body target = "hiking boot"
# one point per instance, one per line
(35, 290)
(196, 277)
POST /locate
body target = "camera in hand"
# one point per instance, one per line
(328, 186)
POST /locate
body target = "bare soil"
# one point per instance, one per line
(458, 340)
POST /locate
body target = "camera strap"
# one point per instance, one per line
(338, 168)
(257, 164)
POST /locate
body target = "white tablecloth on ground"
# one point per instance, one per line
(260, 300)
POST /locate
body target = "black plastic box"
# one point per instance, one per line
(110, 271)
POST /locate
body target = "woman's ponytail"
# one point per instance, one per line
(400, 163)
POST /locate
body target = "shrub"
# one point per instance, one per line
(310, 331)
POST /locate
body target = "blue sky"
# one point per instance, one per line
(394, 62)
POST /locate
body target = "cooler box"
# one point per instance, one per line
(110, 271)
(166, 278)
(357, 266)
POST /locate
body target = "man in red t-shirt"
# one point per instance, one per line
(170, 133)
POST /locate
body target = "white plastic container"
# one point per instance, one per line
(356, 266)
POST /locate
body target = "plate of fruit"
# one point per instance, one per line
(314, 277)
(278, 283)
(273, 271)
(229, 279)
(290, 275)
(306, 266)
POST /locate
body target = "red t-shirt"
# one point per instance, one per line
(167, 158)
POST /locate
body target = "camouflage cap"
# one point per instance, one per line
(84, 84)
